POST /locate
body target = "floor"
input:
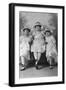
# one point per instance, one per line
(42, 72)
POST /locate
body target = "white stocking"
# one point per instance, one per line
(22, 60)
(37, 56)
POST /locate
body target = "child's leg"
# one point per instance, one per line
(55, 56)
(50, 61)
(22, 60)
(37, 55)
(37, 58)
(22, 63)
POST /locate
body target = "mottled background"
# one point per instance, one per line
(30, 18)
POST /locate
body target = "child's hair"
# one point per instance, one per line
(37, 24)
(26, 29)
(48, 31)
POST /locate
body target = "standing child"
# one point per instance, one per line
(51, 52)
(38, 46)
(25, 40)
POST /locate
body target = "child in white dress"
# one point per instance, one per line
(51, 52)
(38, 46)
(25, 40)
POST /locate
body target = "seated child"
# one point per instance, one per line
(51, 52)
(25, 40)
(38, 46)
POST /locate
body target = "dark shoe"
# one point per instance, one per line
(51, 67)
(36, 66)
(22, 68)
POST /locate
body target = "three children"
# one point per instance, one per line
(42, 41)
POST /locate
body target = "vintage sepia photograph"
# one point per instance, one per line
(38, 44)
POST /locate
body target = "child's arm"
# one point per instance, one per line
(45, 40)
(53, 40)
(31, 39)
(20, 39)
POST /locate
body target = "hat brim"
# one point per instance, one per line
(37, 25)
(48, 31)
(26, 29)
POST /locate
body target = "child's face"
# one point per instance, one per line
(26, 32)
(47, 33)
(38, 28)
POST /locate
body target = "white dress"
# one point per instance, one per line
(24, 46)
(38, 42)
(51, 47)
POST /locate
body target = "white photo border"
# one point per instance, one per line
(39, 79)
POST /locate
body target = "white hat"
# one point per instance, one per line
(37, 24)
(26, 28)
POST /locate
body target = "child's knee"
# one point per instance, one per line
(51, 60)
(22, 60)
(35, 56)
